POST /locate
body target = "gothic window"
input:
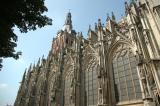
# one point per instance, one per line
(91, 85)
(126, 81)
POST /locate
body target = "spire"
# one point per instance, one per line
(96, 28)
(81, 35)
(108, 18)
(99, 24)
(38, 63)
(43, 60)
(24, 76)
(34, 66)
(127, 8)
(68, 22)
(42, 57)
(30, 67)
(89, 29)
(113, 17)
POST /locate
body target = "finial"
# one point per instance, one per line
(89, 28)
(108, 18)
(42, 60)
(43, 56)
(39, 60)
(34, 66)
(96, 28)
(25, 71)
(69, 10)
(24, 75)
(126, 7)
(30, 67)
(99, 22)
(126, 4)
(113, 16)
(81, 33)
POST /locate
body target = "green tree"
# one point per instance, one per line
(26, 15)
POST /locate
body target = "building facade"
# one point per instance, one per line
(117, 65)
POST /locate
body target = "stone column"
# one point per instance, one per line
(146, 93)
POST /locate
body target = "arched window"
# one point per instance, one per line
(91, 85)
(126, 80)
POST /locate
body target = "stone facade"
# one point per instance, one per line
(117, 65)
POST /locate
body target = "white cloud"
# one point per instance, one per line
(3, 85)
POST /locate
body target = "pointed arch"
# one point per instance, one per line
(123, 72)
(120, 42)
(91, 82)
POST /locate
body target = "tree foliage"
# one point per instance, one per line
(24, 14)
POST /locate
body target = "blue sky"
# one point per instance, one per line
(34, 44)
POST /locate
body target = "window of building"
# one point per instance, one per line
(91, 85)
(127, 86)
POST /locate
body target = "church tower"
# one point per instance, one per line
(68, 23)
(65, 37)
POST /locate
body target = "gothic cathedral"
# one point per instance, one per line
(118, 64)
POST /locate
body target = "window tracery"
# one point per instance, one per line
(126, 80)
(91, 84)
